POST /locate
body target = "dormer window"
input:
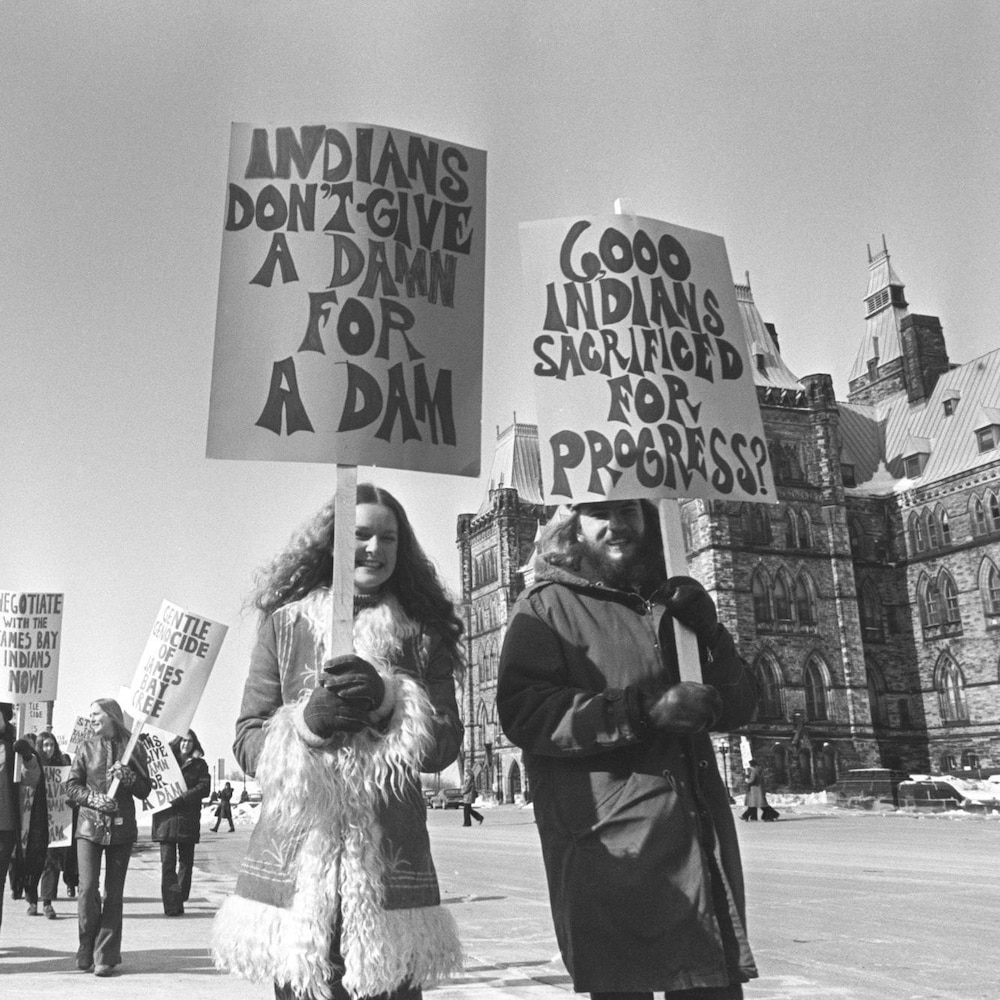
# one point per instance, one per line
(950, 405)
(877, 301)
(847, 475)
(913, 465)
(987, 437)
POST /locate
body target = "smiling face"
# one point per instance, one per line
(186, 745)
(612, 536)
(47, 748)
(102, 722)
(376, 543)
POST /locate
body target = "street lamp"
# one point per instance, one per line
(723, 748)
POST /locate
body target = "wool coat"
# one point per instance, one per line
(755, 797)
(638, 840)
(342, 834)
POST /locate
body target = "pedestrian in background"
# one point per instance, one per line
(106, 829)
(31, 848)
(469, 795)
(224, 808)
(638, 839)
(55, 859)
(10, 795)
(338, 896)
(178, 827)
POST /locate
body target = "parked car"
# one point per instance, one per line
(947, 792)
(446, 798)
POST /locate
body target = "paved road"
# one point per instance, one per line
(843, 906)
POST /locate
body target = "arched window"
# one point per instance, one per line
(929, 601)
(782, 599)
(950, 686)
(933, 529)
(876, 695)
(989, 586)
(761, 599)
(870, 612)
(970, 760)
(979, 523)
(993, 511)
(688, 515)
(949, 595)
(919, 530)
(856, 532)
(814, 684)
(805, 530)
(761, 524)
(945, 526)
(805, 602)
(769, 701)
(788, 525)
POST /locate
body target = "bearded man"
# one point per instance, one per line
(637, 834)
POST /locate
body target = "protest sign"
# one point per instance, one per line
(30, 626)
(36, 716)
(60, 810)
(639, 363)
(174, 669)
(164, 772)
(350, 312)
(82, 730)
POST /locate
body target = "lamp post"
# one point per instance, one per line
(723, 748)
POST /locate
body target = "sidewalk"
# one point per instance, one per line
(166, 958)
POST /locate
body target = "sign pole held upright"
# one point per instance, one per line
(341, 636)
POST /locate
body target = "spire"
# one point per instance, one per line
(516, 463)
(885, 307)
(769, 368)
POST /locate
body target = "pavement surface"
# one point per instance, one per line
(842, 906)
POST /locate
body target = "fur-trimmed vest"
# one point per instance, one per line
(342, 835)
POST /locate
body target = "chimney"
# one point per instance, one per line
(925, 356)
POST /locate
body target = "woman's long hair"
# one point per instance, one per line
(113, 711)
(57, 757)
(307, 563)
(196, 747)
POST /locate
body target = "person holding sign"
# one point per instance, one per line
(32, 845)
(51, 756)
(105, 826)
(638, 839)
(178, 827)
(338, 896)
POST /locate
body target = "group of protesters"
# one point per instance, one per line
(101, 788)
(337, 896)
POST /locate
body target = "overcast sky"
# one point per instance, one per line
(799, 132)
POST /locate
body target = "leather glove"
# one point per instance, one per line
(684, 708)
(355, 680)
(124, 774)
(326, 713)
(24, 748)
(689, 602)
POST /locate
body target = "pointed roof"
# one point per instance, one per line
(885, 308)
(769, 368)
(516, 464)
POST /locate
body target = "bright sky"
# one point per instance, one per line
(798, 132)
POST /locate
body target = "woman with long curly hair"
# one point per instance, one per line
(337, 897)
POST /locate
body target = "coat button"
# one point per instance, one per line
(703, 763)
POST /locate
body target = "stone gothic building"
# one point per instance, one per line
(867, 600)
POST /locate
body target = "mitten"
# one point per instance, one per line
(326, 713)
(24, 748)
(683, 708)
(688, 601)
(355, 680)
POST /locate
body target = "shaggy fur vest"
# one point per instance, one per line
(342, 837)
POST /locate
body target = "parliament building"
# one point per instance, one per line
(867, 600)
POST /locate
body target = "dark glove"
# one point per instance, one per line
(355, 680)
(125, 775)
(688, 601)
(24, 748)
(102, 803)
(684, 708)
(327, 713)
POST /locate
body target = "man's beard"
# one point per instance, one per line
(629, 573)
